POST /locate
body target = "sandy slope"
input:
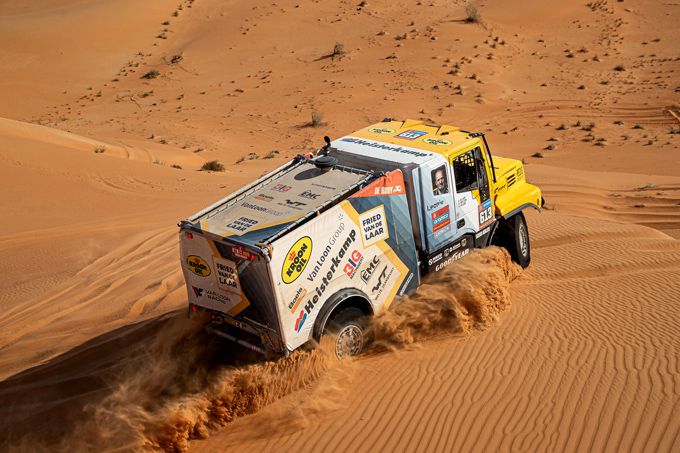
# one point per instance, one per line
(577, 353)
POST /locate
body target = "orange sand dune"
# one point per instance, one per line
(100, 99)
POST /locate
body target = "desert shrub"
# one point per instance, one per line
(338, 49)
(317, 118)
(151, 74)
(473, 16)
(212, 165)
(99, 149)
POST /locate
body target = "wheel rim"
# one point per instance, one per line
(349, 342)
(523, 240)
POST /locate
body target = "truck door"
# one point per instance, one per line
(437, 203)
(474, 206)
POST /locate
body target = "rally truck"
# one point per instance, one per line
(324, 242)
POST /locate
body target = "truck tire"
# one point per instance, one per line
(347, 328)
(521, 249)
(513, 235)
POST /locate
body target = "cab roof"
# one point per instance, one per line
(440, 139)
(404, 142)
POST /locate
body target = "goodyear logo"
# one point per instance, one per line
(437, 141)
(198, 266)
(296, 259)
(381, 130)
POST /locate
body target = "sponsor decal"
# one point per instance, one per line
(198, 266)
(326, 251)
(437, 141)
(381, 279)
(482, 232)
(295, 204)
(328, 276)
(227, 277)
(389, 190)
(446, 252)
(432, 207)
(281, 188)
(381, 283)
(242, 224)
(455, 257)
(239, 252)
(299, 322)
(389, 185)
(323, 186)
(411, 134)
(385, 147)
(299, 294)
(434, 259)
(296, 259)
(308, 194)
(354, 261)
(405, 285)
(381, 130)
(462, 201)
(263, 197)
(441, 218)
(367, 273)
(213, 295)
(257, 208)
(373, 225)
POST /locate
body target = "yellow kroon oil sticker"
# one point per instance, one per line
(296, 259)
(198, 266)
(437, 141)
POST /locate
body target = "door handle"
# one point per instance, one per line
(460, 223)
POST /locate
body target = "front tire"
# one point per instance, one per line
(347, 329)
(513, 235)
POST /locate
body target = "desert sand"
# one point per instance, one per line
(108, 108)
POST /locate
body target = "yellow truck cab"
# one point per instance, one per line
(326, 241)
(458, 192)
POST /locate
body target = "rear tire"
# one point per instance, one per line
(513, 235)
(347, 329)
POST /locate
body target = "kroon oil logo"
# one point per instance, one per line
(381, 130)
(296, 259)
(198, 266)
(437, 141)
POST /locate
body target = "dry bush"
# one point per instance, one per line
(212, 165)
(317, 118)
(151, 74)
(473, 15)
(338, 49)
(99, 149)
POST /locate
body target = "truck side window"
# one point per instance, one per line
(440, 182)
(465, 172)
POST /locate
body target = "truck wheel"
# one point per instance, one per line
(513, 235)
(347, 328)
(520, 249)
